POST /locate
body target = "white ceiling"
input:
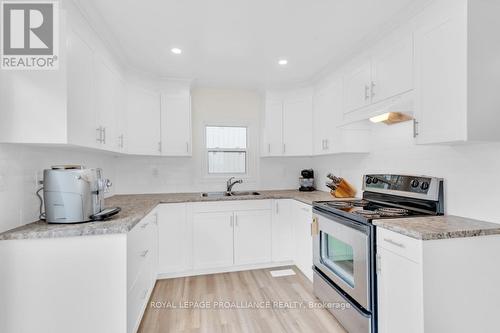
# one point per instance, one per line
(238, 42)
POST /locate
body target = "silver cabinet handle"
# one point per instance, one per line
(305, 209)
(120, 141)
(415, 128)
(187, 147)
(231, 221)
(156, 218)
(367, 92)
(104, 135)
(326, 144)
(277, 208)
(284, 148)
(372, 89)
(144, 253)
(269, 148)
(236, 220)
(99, 134)
(159, 147)
(144, 225)
(390, 241)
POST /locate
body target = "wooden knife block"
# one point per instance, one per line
(344, 190)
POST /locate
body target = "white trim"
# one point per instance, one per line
(223, 270)
(251, 152)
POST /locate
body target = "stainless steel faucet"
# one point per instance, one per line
(230, 183)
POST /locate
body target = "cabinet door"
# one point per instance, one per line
(357, 87)
(297, 126)
(273, 128)
(327, 113)
(441, 80)
(252, 237)
(282, 231)
(303, 241)
(176, 125)
(392, 70)
(400, 302)
(82, 122)
(173, 239)
(104, 102)
(120, 102)
(143, 121)
(212, 240)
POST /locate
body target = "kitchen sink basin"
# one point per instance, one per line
(237, 194)
(226, 194)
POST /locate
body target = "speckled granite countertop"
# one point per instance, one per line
(439, 227)
(137, 206)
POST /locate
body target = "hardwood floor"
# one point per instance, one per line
(231, 297)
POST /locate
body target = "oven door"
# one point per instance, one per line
(342, 253)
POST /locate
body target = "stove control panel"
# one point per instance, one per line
(412, 186)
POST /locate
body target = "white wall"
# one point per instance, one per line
(20, 166)
(470, 171)
(211, 106)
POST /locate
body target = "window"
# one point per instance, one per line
(226, 149)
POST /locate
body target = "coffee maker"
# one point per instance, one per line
(74, 194)
(306, 180)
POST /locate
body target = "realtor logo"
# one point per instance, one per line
(30, 35)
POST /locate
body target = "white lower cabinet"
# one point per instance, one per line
(435, 286)
(399, 294)
(173, 234)
(141, 268)
(196, 238)
(302, 218)
(252, 237)
(212, 240)
(282, 231)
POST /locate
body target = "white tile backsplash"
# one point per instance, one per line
(21, 166)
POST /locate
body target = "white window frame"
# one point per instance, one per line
(206, 150)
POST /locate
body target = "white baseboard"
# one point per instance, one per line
(223, 270)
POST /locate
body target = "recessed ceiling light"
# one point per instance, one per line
(176, 50)
(282, 62)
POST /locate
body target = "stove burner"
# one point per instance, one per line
(390, 211)
(367, 213)
(347, 204)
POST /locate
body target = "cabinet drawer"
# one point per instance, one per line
(136, 298)
(399, 244)
(139, 250)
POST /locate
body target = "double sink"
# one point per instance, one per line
(229, 190)
(227, 194)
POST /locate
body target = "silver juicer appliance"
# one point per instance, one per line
(74, 194)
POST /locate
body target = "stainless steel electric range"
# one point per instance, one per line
(345, 242)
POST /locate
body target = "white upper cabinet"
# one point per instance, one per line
(327, 111)
(82, 120)
(392, 70)
(273, 128)
(288, 124)
(106, 84)
(143, 121)
(386, 73)
(457, 72)
(357, 86)
(176, 124)
(297, 125)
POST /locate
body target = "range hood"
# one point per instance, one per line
(392, 110)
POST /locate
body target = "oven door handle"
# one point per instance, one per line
(364, 228)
